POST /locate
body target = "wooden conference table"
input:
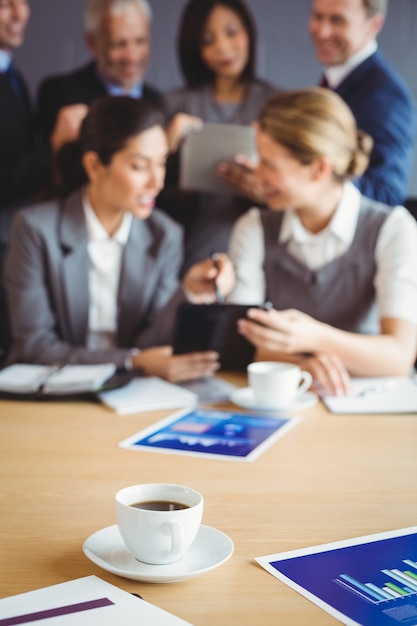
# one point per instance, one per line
(330, 478)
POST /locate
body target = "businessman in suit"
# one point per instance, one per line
(117, 33)
(344, 35)
(24, 158)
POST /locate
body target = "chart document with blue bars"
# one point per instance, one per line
(367, 581)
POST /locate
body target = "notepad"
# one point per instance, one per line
(147, 394)
(393, 394)
(205, 147)
(54, 380)
(85, 601)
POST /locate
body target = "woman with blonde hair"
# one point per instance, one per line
(339, 268)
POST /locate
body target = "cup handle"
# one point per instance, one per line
(177, 541)
(306, 380)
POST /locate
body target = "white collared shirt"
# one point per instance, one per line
(335, 74)
(5, 60)
(105, 254)
(395, 253)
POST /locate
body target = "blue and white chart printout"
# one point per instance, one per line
(367, 581)
(211, 433)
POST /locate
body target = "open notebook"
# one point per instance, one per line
(22, 378)
(393, 394)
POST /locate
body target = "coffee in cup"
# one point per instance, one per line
(276, 384)
(158, 521)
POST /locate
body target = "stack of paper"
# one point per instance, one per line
(86, 601)
(147, 394)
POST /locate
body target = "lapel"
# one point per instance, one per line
(136, 287)
(10, 100)
(73, 242)
(358, 75)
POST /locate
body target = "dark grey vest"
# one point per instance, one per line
(341, 293)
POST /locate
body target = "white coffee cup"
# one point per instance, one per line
(276, 384)
(159, 536)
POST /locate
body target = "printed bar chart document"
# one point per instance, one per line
(212, 433)
(367, 581)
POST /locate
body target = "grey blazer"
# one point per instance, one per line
(46, 280)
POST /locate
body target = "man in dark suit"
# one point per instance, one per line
(344, 36)
(24, 158)
(118, 37)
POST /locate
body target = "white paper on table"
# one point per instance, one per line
(393, 394)
(117, 606)
(147, 394)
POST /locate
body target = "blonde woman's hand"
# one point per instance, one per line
(329, 373)
(289, 331)
(241, 174)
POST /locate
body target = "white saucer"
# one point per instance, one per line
(106, 549)
(245, 398)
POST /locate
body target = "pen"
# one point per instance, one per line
(215, 257)
(378, 388)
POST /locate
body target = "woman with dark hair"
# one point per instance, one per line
(216, 46)
(93, 277)
(339, 268)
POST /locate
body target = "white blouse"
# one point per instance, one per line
(395, 253)
(105, 254)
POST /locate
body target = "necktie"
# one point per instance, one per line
(323, 81)
(16, 82)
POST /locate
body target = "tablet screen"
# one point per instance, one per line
(214, 327)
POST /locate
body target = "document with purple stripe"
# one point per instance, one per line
(89, 601)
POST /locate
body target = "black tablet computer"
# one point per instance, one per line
(213, 327)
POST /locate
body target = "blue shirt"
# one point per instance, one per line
(5, 60)
(115, 90)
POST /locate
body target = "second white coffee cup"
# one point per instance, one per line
(277, 384)
(158, 521)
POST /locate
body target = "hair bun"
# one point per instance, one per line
(360, 158)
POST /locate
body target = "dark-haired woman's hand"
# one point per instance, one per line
(160, 361)
(179, 127)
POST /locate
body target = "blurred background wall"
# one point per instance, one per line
(54, 43)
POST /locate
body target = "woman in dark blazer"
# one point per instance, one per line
(93, 277)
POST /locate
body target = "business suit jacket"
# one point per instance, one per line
(384, 108)
(24, 168)
(46, 280)
(81, 86)
(24, 159)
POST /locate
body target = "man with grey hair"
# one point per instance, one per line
(117, 33)
(344, 35)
